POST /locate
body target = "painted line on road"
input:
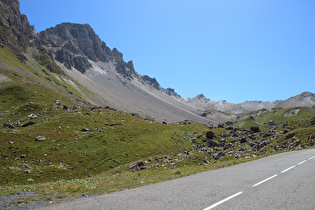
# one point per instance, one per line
(300, 163)
(222, 201)
(255, 185)
(259, 183)
(285, 170)
(311, 158)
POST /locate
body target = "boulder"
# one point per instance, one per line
(213, 143)
(40, 138)
(243, 140)
(8, 125)
(32, 116)
(255, 129)
(210, 135)
(218, 155)
(28, 124)
(271, 122)
(228, 123)
(289, 136)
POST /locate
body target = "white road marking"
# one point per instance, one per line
(300, 163)
(222, 201)
(255, 185)
(259, 183)
(287, 169)
(311, 158)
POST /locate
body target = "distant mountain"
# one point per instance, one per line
(305, 99)
(102, 77)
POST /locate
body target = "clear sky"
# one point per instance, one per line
(234, 50)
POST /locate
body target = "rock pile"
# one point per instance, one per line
(231, 142)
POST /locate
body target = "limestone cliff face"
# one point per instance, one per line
(15, 30)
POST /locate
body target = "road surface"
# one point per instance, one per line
(282, 181)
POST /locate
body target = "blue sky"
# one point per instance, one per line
(230, 50)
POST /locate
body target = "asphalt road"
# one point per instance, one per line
(282, 181)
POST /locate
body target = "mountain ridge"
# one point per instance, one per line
(128, 71)
(77, 51)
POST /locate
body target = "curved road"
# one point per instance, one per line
(282, 181)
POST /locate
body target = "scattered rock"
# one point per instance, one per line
(28, 124)
(138, 166)
(213, 143)
(243, 140)
(310, 137)
(32, 116)
(218, 155)
(228, 123)
(8, 125)
(289, 136)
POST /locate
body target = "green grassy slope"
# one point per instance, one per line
(111, 138)
(264, 118)
(87, 148)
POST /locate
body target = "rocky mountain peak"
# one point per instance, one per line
(303, 99)
(75, 44)
(306, 94)
(200, 97)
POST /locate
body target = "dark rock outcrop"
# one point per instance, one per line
(70, 60)
(151, 81)
(171, 92)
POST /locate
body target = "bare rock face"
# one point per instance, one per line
(75, 44)
(151, 81)
(16, 31)
(76, 39)
(70, 60)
